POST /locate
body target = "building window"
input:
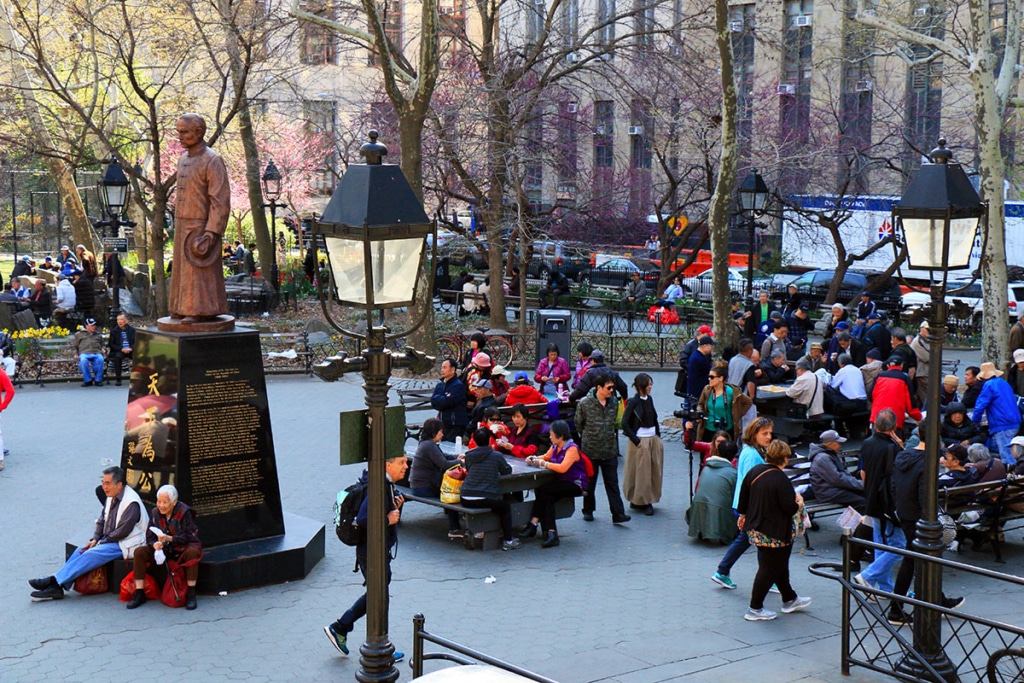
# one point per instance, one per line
(741, 30)
(533, 167)
(643, 24)
(857, 101)
(391, 16)
(570, 25)
(795, 85)
(604, 134)
(567, 141)
(321, 118)
(452, 31)
(317, 44)
(606, 24)
(536, 16)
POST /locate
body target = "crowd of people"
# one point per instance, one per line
(75, 273)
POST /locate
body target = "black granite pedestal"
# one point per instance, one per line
(198, 418)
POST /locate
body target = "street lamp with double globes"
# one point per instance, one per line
(937, 221)
(374, 229)
(115, 190)
(753, 197)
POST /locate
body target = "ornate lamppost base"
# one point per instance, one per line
(912, 666)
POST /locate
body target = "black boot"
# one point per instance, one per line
(551, 541)
(138, 599)
(528, 531)
(190, 598)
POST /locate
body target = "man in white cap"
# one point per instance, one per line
(1016, 374)
(919, 345)
(89, 352)
(998, 403)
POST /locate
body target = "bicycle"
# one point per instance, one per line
(1006, 666)
(454, 345)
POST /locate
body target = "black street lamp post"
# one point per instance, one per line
(115, 191)
(753, 197)
(374, 229)
(936, 221)
(272, 191)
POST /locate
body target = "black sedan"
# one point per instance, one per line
(618, 272)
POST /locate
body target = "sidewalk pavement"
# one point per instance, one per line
(618, 604)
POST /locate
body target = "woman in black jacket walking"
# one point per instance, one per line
(767, 506)
(484, 467)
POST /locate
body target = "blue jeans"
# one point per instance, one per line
(738, 546)
(93, 362)
(879, 572)
(357, 611)
(82, 561)
(1000, 442)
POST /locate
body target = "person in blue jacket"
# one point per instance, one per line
(998, 403)
(449, 400)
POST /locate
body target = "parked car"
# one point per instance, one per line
(970, 300)
(464, 252)
(699, 287)
(618, 272)
(814, 285)
(571, 259)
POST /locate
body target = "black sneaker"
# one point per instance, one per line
(953, 603)
(897, 617)
(54, 592)
(86, 384)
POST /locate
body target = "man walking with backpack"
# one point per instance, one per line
(396, 468)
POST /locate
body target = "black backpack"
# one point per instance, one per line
(346, 509)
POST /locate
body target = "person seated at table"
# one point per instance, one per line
(484, 400)
(484, 467)
(428, 467)
(987, 468)
(846, 394)
(50, 265)
(958, 428)
(871, 369)
(777, 340)
(839, 314)
(815, 357)
(950, 391)
(774, 369)
(564, 459)
(710, 515)
(40, 301)
(522, 440)
(19, 289)
(672, 292)
(493, 424)
(66, 297)
(552, 372)
(808, 390)
(7, 296)
(954, 459)
(722, 404)
(499, 383)
(523, 392)
(178, 539)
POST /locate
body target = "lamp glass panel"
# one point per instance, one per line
(347, 269)
(962, 232)
(272, 187)
(924, 242)
(116, 196)
(747, 201)
(396, 265)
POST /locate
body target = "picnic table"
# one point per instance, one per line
(772, 402)
(482, 525)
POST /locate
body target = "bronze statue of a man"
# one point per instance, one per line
(200, 218)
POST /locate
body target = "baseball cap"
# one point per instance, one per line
(842, 325)
(816, 345)
(90, 321)
(522, 377)
(705, 340)
(1017, 441)
(874, 316)
(705, 330)
(25, 258)
(65, 247)
(865, 293)
(831, 436)
(1018, 355)
(498, 370)
(597, 356)
(483, 383)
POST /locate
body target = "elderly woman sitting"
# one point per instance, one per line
(178, 539)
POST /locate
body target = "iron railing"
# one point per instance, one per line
(460, 654)
(979, 649)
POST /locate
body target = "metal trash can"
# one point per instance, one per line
(553, 327)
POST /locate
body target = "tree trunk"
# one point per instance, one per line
(410, 131)
(718, 218)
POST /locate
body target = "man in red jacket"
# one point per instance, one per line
(523, 392)
(892, 390)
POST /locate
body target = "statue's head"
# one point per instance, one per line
(191, 129)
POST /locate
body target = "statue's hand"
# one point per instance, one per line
(204, 244)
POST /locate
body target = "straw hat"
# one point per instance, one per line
(988, 371)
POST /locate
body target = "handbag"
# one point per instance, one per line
(798, 411)
(93, 582)
(150, 588)
(451, 484)
(176, 587)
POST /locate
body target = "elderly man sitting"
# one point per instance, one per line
(120, 529)
(774, 369)
(808, 390)
(89, 350)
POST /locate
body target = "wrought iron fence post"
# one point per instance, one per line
(844, 616)
(418, 621)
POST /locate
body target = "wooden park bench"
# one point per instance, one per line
(996, 503)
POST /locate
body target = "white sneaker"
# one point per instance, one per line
(759, 615)
(795, 605)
